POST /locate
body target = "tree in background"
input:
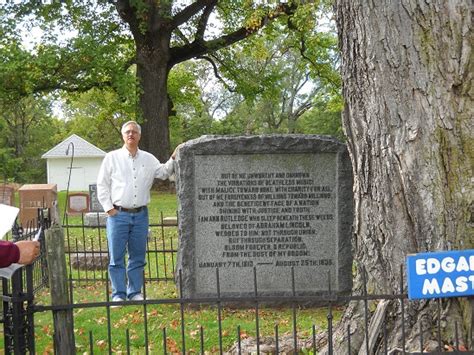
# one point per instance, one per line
(407, 71)
(106, 39)
(262, 86)
(58, 64)
(265, 84)
(97, 116)
(27, 130)
(324, 117)
(191, 110)
(280, 78)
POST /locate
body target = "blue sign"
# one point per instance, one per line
(441, 274)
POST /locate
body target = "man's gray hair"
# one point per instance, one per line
(134, 123)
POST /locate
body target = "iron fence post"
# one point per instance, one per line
(18, 317)
(18, 292)
(7, 326)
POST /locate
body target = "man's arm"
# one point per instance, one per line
(164, 171)
(22, 252)
(9, 253)
(104, 182)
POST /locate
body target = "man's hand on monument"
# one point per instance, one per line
(173, 156)
(29, 251)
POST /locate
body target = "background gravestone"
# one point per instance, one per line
(94, 204)
(96, 217)
(77, 203)
(269, 203)
(32, 197)
(6, 195)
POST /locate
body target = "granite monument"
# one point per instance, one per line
(276, 206)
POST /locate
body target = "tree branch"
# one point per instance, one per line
(277, 122)
(303, 83)
(218, 106)
(216, 72)
(127, 14)
(202, 24)
(48, 87)
(190, 11)
(198, 48)
(114, 126)
(303, 108)
(181, 35)
(315, 65)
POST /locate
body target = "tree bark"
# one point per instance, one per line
(407, 75)
(152, 73)
(151, 30)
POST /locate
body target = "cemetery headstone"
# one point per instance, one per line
(78, 202)
(94, 204)
(268, 203)
(96, 217)
(34, 197)
(6, 195)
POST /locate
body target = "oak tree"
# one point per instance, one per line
(407, 71)
(105, 39)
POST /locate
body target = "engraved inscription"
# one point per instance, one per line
(280, 218)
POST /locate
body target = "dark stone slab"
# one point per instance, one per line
(90, 261)
(271, 206)
(94, 204)
(95, 219)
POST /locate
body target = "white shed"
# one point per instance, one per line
(87, 159)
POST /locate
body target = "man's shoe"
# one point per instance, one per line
(117, 299)
(137, 297)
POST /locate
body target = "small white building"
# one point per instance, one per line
(87, 159)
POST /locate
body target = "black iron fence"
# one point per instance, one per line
(184, 332)
(165, 323)
(87, 251)
(18, 292)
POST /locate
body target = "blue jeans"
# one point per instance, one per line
(127, 231)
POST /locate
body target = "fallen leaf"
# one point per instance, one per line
(101, 344)
(174, 324)
(194, 333)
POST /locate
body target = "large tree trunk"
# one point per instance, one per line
(152, 23)
(151, 31)
(407, 72)
(152, 73)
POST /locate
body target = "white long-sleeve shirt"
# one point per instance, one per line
(126, 181)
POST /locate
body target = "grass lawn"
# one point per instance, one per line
(93, 323)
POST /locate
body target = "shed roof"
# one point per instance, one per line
(82, 148)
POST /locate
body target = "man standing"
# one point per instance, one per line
(123, 188)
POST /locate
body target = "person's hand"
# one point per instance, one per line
(29, 251)
(173, 156)
(112, 212)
